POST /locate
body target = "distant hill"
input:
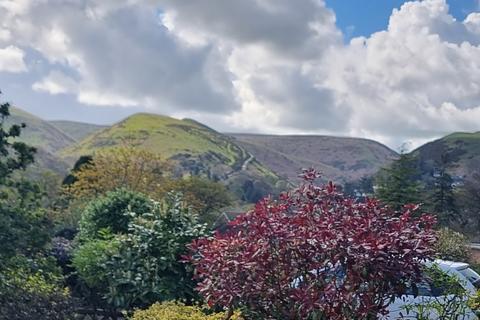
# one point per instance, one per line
(77, 130)
(47, 138)
(40, 133)
(337, 158)
(194, 147)
(461, 152)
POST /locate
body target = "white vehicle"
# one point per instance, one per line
(409, 306)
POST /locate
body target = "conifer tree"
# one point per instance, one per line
(398, 185)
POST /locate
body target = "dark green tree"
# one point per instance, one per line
(442, 198)
(398, 184)
(30, 284)
(469, 199)
(23, 225)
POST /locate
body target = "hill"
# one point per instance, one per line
(194, 148)
(337, 158)
(40, 133)
(77, 130)
(458, 151)
(47, 138)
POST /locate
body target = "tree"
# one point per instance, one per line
(29, 287)
(15, 155)
(442, 198)
(205, 197)
(313, 253)
(469, 199)
(23, 225)
(397, 185)
(110, 212)
(122, 167)
(141, 171)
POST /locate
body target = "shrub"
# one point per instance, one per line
(452, 245)
(313, 253)
(110, 212)
(29, 292)
(474, 302)
(142, 265)
(178, 311)
(90, 259)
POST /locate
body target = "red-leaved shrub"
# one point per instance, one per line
(313, 254)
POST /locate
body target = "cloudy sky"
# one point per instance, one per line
(393, 71)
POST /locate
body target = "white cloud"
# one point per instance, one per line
(56, 83)
(11, 60)
(418, 79)
(262, 65)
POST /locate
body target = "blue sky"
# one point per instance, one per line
(364, 17)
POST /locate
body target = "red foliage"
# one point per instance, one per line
(313, 251)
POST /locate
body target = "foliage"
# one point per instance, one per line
(23, 225)
(452, 245)
(178, 311)
(442, 198)
(147, 268)
(397, 185)
(204, 196)
(109, 212)
(138, 170)
(469, 195)
(450, 302)
(15, 155)
(474, 302)
(122, 167)
(312, 253)
(29, 291)
(90, 260)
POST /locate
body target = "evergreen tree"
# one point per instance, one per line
(397, 185)
(22, 225)
(442, 197)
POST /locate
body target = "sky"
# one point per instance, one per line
(393, 71)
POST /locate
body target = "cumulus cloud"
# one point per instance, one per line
(257, 65)
(418, 79)
(121, 53)
(12, 59)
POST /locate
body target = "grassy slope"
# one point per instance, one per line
(172, 138)
(47, 138)
(76, 130)
(40, 133)
(164, 135)
(462, 150)
(339, 159)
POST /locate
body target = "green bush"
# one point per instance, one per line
(452, 245)
(33, 290)
(90, 258)
(148, 268)
(178, 311)
(111, 212)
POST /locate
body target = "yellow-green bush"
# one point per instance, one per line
(474, 302)
(178, 311)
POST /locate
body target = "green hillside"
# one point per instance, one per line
(337, 158)
(460, 151)
(40, 133)
(47, 138)
(77, 130)
(194, 147)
